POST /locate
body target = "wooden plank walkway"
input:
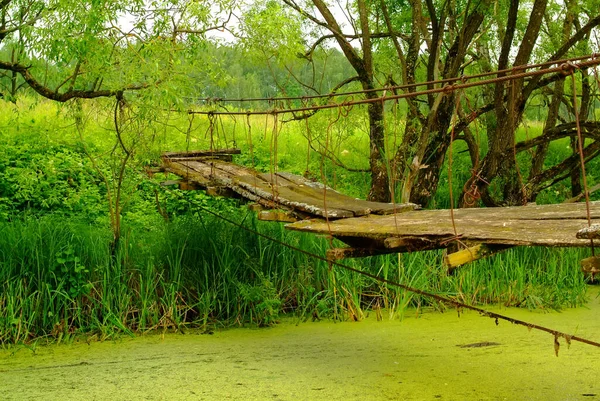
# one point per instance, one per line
(295, 194)
(535, 225)
(371, 228)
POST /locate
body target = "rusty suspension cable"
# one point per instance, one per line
(564, 68)
(212, 100)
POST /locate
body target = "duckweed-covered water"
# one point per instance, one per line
(437, 356)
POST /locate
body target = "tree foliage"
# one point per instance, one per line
(410, 41)
(152, 56)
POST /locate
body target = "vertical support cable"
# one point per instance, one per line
(581, 156)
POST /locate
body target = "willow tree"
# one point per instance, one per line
(133, 56)
(433, 40)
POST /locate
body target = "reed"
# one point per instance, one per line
(59, 280)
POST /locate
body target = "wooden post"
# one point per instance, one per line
(591, 266)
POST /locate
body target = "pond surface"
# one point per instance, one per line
(437, 356)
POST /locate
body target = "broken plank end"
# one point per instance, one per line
(277, 215)
(591, 265)
(471, 254)
(591, 232)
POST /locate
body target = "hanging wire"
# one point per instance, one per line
(586, 191)
(448, 301)
(188, 132)
(223, 132)
(211, 131)
(248, 130)
(332, 122)
(274, 156)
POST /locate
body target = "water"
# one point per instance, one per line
(422, 358)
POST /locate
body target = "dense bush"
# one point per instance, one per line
(40, 178)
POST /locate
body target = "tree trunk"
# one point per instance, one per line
(431, 160)
(435, 137)
(500, 162)
(380, 186)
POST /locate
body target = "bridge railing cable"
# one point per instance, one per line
(451, 85)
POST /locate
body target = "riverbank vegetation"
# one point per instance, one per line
(92, 242)
(177, 266)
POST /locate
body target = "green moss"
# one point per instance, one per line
(420, 358)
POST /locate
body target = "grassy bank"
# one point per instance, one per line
(57, 278)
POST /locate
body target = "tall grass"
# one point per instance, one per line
(58, 280)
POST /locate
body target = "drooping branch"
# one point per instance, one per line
(306, 14)
(70, 94)
(579, 35)
(590, 129)
(219, 27)
(350, 37)
(329, 155)
(312, 112)
(562, 170)
(349, 51)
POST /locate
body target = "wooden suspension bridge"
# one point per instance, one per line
(373, 228)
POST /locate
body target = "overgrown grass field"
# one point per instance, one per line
(62, 274)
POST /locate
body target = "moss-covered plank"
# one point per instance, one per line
(499, 226)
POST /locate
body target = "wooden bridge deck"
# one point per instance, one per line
(374, 228)
(300, 197)
(535, 225)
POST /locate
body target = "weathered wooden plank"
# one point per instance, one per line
(187, 173)
(245, 181)
(548, 225)
(390, 208)
(197, 171)
(318, 193)
(287, 189)
(289, 198)
(338, 200)
(592, 232)
(507, 227)
(471, 254)
(232, 170)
